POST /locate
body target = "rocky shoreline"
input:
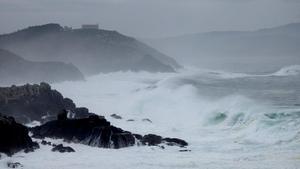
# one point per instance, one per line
(60, 119)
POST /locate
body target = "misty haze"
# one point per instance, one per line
(161, 84)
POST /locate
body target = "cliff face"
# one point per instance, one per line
(92, 51)
(14, 70)
(36, 102)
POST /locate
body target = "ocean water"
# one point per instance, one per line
(231, 120)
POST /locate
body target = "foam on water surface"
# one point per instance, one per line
(230, 120)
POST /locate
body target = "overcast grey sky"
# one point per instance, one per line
(151, 18)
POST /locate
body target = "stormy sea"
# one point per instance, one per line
(231, 120)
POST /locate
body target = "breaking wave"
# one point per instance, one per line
(193, 105)
(288, 71)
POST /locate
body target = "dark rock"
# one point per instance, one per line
(81, 112)
(46, 143)
(34, 146)
(63, 115)
(37, 102)
(155, 140)
(185, 150)
(96, 131)
(14, 165)
(14, 137)
(122, 139)
(151, 140)
(116, 116)
(147, 120)
(129, 120)
(138, 136)
(162, 147)
(62, 149)
(175, 141)
(93, 131)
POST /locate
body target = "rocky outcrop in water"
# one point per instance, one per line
(115, 116)
(93, 131)
(153, 140)
(62, 149)
(14, 165)
(36, 102)
(98, 132)
(14, 137)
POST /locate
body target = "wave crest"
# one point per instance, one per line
(288, 71)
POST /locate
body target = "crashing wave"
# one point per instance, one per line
(288, 71)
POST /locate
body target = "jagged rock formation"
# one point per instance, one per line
(15, 70)
(91, 50)
(14, 137)
(152, 140)
(36, 102)
(97, 131)
(93, 131)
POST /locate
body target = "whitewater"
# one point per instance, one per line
(231, 120)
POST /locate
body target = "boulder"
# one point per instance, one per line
(175, 141)
(46, 143)
(14, 137)
(151, 139)
(62, 149)
(154, 140)
(115, 116)
(14, 165)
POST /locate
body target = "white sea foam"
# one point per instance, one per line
(225, 130)
(288, 71)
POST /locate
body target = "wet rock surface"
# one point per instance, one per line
(14, 137)
(151, 139)
(115, 116)
(46, 143)
(14, 165)
(175, 141)
(36, 102)
(62, 149)
(96, 131)
(154, 140)
(93, 131)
